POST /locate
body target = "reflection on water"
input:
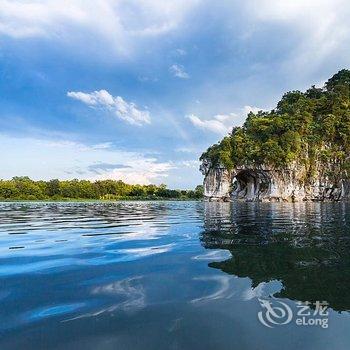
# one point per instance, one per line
(169, 275)
(304, 246)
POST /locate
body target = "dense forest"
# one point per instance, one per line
(305, 128)
(23, 188)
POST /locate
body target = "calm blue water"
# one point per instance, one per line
(171, 275)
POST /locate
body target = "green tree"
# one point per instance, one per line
(305, 127)
(53, 188)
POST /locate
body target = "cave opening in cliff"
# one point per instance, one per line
(249, 184)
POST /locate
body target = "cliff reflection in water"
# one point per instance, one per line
(305, 246)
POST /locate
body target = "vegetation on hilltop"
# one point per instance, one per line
(305, 127)
(23, 188)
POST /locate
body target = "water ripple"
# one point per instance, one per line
(128, 270)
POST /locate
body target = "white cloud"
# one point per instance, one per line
(247, 109)
(213, 125)
(65, 159)
(320, 26)
(222, 123)
(195, 163)
(291, 10)
(189, 149)
(76, 145)
(142, 171)
(179, 71)
(122, 109)
(101, 97)
(103, 145)
(119, 24)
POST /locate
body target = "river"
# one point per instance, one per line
(174, 275)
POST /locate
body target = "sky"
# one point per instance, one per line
(138, 89)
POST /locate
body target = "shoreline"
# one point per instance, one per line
(80, 200)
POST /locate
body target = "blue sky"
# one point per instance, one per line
(137, 89)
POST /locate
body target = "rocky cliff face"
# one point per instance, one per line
(267, 184)
(217, 182)
(298, 151)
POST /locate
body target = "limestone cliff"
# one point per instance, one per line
(217, 182)
(263, 183)
(298, 151)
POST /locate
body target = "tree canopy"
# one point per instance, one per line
(23, 188)
(305, 127)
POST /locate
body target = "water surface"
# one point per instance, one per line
(170, 275)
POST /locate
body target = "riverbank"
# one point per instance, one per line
(81, 200)
(25, 189)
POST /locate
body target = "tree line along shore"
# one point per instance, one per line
(23, 188)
